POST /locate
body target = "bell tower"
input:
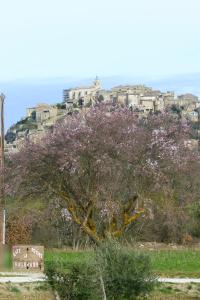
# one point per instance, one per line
(97, 83)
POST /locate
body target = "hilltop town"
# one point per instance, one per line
(139, 98)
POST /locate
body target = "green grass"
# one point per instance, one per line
(65, 257)
(168, 263)
(172, 263)
(14, 289)
(180, 263)
(8, 259)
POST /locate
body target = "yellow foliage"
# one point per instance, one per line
(129, 219)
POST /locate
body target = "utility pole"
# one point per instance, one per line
(3, 212)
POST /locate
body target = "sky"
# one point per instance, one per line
(82, 38)
(46, 45)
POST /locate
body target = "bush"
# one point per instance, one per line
(75, 281)
(169, 224)
(18, 229)
(126, 274)
(194, 224)
(114, 272)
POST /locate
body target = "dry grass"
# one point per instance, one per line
(166, 291)
(42, 291)
(175, 297)
(27, 291)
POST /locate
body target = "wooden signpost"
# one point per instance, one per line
(2, 185)
(28, 258)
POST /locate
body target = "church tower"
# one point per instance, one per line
(97, 83)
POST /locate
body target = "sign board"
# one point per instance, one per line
(28, 258)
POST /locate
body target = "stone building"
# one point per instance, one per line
(82, 95)
(44, 112)
(188, 102)
(139, 97)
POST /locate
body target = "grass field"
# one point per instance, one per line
(168, 263)
(182, 263)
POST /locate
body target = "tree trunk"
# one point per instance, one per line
(103, 288)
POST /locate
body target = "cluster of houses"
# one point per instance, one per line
(139, 98)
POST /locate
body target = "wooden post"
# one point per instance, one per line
(2, 98)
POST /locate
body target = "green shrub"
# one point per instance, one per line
(76, 281)
(126, 274)
(112, 272)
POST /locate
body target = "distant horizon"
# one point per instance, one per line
(41, 79)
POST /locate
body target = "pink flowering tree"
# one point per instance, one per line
(104, 163)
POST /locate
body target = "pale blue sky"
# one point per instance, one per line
(81, 38)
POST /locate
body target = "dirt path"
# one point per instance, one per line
(21, 277)
(31, 277)
(179, 280)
